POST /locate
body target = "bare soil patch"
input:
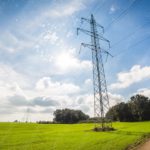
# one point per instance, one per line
(144, 146)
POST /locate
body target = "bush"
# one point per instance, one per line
(45, 122)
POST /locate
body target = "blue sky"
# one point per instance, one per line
(40, 65)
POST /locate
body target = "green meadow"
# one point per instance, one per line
(32, 136)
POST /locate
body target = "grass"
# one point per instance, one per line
(30, 136)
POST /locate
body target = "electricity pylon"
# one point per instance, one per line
(101, 100)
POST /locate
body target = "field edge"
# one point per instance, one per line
(139, 142)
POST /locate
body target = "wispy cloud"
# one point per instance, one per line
(11, 43)
(66, 9)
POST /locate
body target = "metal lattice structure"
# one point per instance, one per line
(101, 100)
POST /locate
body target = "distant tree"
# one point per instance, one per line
(69, 116)
(140, 106)
(136, 109)
(45, 122)
(16, 121)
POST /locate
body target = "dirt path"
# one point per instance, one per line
(145, 146)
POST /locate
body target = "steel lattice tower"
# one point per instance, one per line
(101, 100)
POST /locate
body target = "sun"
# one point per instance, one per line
(65, 61)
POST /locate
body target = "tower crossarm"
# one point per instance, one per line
(84, 31)
(86, 45)
(89, 21)
(91, 34)
(104, 39)
(85, 19)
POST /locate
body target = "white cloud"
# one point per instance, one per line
(15, 93)
(47, 86)
(115, 99)
(134, 75)
(67, 62)
(11, 81)
(47, 96)
(144, 91)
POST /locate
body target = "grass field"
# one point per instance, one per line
(30, 136)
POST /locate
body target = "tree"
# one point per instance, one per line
(136, 109)
(120, 112)
(69, 116)
(140, 106)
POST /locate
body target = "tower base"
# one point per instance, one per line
(100, 129)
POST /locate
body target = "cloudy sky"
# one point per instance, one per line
(40, 65)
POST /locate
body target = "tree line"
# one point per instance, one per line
(136, 109)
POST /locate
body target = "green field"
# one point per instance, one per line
(30, 136)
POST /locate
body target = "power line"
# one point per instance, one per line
(121, 14)
(135, 44)
(129, 35)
